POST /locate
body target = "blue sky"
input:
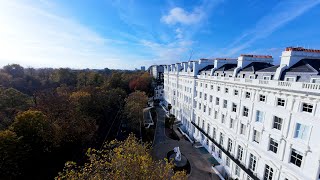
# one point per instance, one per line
(126, 34)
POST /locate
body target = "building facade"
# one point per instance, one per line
(260, 121)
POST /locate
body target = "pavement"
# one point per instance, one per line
(200, 165)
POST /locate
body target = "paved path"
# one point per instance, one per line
(200, 166)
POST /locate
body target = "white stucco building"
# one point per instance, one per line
(259, 120)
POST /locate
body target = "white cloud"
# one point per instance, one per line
(179, 33)
(281, 14)
(168, 53)
(33, 34)
(179, 15)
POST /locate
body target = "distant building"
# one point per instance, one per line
(156, 71)
(260, 121)
(143, 68)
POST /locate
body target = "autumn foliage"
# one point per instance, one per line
(121, 160)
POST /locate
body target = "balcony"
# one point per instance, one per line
(301, 87)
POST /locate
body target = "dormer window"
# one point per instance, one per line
(290, 79)
(266, 77)
(315, 80)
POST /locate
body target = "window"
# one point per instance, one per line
(221, 139)
(228, 162)
(226, 90)
(211, 86)
(242, 129)
(273, 145)
(206, 85)
(220, 153)
(210, 98)
(200, 94)
(229, 149)
(237, 170)
(217, 101)
(234, 107)
(240, 153)
(200, 84)
(207, 142)
(236, 92)
(199, 106)
(223, 118)
(218, 88)
(259, 116)
(209, 111)
(277, 122)
(205, 96)
(245, 111)
(202, 124)
(225, 103)
(301, 131)
(208, 128)
(280, 102)
(248, 94)
(213, 148)
(296, 158)
(268, 173)
(266, 77)
(306, 107)
(215, 114)
(252, 162)
(256, 136)
(231, 123)
(204, 108)
(291, 79)
(262, 98)
(214, 133)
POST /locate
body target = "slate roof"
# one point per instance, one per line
(227, 67)
(256, 66)
(209, 67)
(306, 65)
(269, 69)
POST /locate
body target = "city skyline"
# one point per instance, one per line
(131, 34)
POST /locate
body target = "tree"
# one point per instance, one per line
(169, 107)
(135, 103)
(15, 70)
(170, 121)
(120, 160)
(13, 154)
(33, 127)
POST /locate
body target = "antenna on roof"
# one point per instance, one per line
(191, 54)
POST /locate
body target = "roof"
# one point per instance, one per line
(227, 67)
(269, 69)
(256, 66)
(306, 65)
(256, 56)
(209, 67)
(302, 49)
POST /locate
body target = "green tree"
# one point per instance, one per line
(135, 103)
(121, 160)
(33, 127)
(13, 154)
(15, 70)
